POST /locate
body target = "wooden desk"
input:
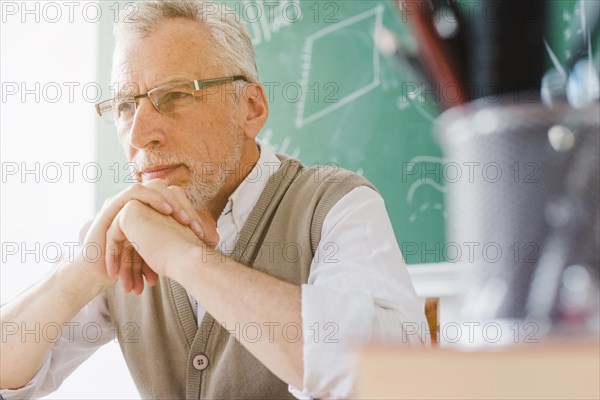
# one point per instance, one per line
(536, 371)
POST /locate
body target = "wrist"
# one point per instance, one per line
(78, 283)
(190, 262)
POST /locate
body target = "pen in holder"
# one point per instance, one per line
(522, 194)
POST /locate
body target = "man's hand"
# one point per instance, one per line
(161, 242)
(170, 202)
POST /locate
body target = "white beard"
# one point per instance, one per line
(206, 179)
(204, 187)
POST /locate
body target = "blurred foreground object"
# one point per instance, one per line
(552, 371)
(537, 208)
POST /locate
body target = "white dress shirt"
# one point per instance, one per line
(358, 291)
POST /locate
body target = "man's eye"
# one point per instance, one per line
(172, 101)
(173, 96)
(178, 95)
(125, 108)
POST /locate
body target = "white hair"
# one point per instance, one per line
(230, 38)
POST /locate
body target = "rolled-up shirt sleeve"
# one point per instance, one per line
(358, 291)
(80, 338)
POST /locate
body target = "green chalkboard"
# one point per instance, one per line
(336, 100)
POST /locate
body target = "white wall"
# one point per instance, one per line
(56, 127)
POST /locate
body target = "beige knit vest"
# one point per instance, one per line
(157, 331)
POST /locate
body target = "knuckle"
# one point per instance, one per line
(155, 183)
(134, 188)
(130, 206)
(176, 189)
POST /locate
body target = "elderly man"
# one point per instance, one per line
(243, 274)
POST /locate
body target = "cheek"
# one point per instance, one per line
(128, 150)
(197, 139)
(214, 129)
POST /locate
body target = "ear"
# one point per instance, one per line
(257, 109)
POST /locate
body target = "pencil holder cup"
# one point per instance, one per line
(522, 197)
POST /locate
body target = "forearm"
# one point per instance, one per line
(232, 293)
(55, 300)
(236, 294)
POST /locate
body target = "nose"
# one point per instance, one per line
(147, 129)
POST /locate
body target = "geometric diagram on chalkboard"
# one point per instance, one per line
(424, 181)
(323, 89)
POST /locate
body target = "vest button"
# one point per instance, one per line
(200, 362)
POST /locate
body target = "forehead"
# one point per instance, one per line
(178, 49)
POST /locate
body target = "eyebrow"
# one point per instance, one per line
(126, 93)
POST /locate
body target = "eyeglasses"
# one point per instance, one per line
(166, 99)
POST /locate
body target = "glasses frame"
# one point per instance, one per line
(199, 84)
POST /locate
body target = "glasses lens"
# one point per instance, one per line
(124, 110)
(172, 99)
(106, 112)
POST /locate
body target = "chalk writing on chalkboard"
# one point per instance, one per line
(319, 38)
(424, 182)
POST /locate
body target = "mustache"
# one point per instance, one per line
(151, 158)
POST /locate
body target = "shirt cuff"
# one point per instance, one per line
(299, 394)
(28, 391)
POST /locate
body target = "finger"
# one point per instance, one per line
(113, 258)
(151, 276)
(149, 194)
(113, 252)
(118, 263)
(187, 207)
(136, 270)
(209, 228)
(182, 210)
(202, 224)
(126, 270)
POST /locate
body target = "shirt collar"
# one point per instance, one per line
(246, 195)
